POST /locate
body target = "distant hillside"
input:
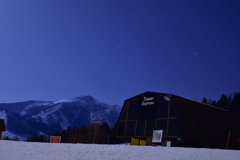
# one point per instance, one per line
(24, 119)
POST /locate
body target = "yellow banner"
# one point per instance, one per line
(142, 142)
(134, 141)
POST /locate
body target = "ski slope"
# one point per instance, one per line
(48, 151)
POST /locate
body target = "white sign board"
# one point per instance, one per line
(157, 136)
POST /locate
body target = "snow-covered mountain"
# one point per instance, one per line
(24, 119)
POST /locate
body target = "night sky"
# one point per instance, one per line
(116, 49)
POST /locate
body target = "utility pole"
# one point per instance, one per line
(96, 122)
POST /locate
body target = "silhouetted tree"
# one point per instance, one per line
(58, 133)
(229, 102)
(85, 134)
(211, 102)
(223, 102)
(104, 133)
(214, 103)
(235, 105)
(6, 138)
(64, 136)
(34, 138)
(204, 100)
(42, 138)
(112, 134)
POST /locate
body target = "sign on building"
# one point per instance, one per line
(157, 136)
(148, 101)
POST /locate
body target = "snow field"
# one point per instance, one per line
(38, 151)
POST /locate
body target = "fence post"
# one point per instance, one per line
(228, 138)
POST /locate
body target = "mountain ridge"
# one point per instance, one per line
(24, 119)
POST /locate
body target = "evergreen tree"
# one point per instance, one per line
(214, 103)
(34, 138)
(64, 136)
(211, 102)
(235, 105)
(229, 102)
(6, 138)
(104, 133)
(204, 100)
(85, 134)
(223, 102)
(42, 138)
(58, 133)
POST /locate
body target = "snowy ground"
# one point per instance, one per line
(28, 150)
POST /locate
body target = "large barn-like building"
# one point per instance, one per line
(183, 121)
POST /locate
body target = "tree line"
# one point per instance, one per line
(229, 103)
(89, 133)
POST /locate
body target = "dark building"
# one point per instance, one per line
(185, 122)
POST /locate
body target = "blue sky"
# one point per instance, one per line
(114, 50)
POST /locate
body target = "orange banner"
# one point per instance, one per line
(55, 139)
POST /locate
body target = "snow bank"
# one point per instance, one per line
(38, 151)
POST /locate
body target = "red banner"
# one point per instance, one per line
(55, 139)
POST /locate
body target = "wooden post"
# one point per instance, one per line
(75, 136)
(228, 138)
